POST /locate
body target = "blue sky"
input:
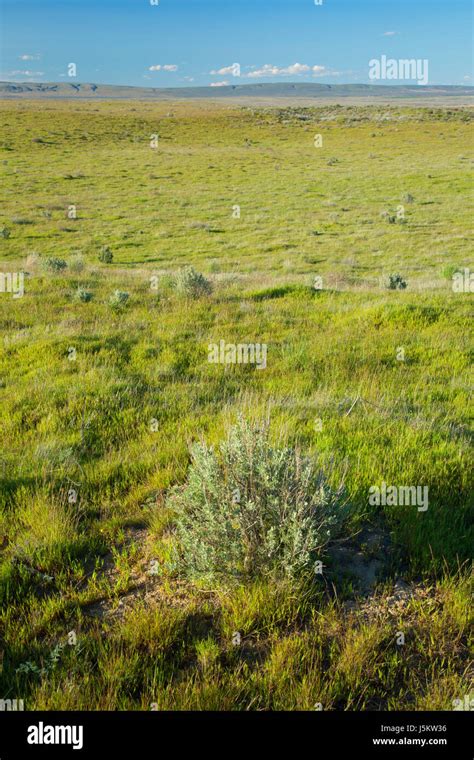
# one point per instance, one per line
(196, 42)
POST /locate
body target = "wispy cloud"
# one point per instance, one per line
(29, 57)
(21, 73)
(163, 67)
(389, 34)
(269, 70)
(295, 69)
(220, 84)
(322, 71)
(224, 71)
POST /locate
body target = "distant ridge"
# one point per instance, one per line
(306, 90)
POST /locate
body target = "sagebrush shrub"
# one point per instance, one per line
(395, 282)
(83, 295)
(253, 509)
(118, 299)
(105, 255)
(192, 284)
(53, 264)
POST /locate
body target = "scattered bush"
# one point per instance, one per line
(4, 232)
(106, 256)
(333, 161)
(53, 264)
(408, 198)
(253, 510)
(390, 218)
(192, 284)
(83, 295)
(118, 299)
(395, 282)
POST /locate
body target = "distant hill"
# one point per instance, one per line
(277, 90)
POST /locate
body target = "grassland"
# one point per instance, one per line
(81, 382)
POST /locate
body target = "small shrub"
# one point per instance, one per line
(192, 284)
(4, 232)
(83, 295)
(254, 510)
(395, 282)
(333, 161)
(118, 299)
(53, 264)
(390, 218)
(106, 256)
(408, 198)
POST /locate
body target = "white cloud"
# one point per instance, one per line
(269, 70)
(322, 71)
(389, 34)
(29, 57)
(467, 78)
(224, 71)
(219, 84)
(295, 69)
(164, 67)
(18, 73)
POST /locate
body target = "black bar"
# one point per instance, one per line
(241, 734)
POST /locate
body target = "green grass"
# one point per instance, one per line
(81, 383)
